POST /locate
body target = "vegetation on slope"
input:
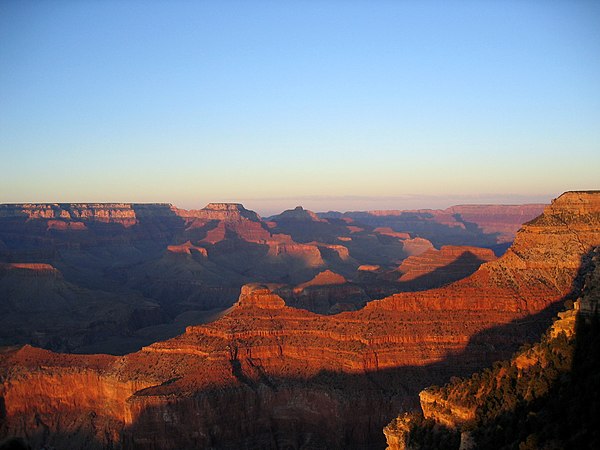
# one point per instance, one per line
(545, 397)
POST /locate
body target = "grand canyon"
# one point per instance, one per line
(141, 326)
(301, 225)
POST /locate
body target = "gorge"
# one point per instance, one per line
(266, 374)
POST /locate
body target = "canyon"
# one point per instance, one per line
(118, 276)
(265, 374)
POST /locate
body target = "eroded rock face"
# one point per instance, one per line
(122, 213)
(259, 296)
(439, 267)
(326, 293)
(107, 257)
(397, 433)
(221, 211)
(187, 262)
(547, 376)
(300, 379)
(550, 376)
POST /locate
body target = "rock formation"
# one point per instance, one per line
(326, 277)
(326, 293)
(541, 397)
(266, 375)
(435, 268)
(187, 262)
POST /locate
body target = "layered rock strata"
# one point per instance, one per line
(267, 375)
(544, 390)
(439, 267)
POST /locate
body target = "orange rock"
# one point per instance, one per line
(256, 295)
(450, 262)
(387, 231)
(368, 268)
(265, 366)
(187, 248)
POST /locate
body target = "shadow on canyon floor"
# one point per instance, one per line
(423, 224)
(463, 266)
(567, 415)
(330, 410)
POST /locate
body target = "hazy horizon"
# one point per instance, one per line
(278, 104)
(266, 207)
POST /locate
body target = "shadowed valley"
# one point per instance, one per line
(267, 375)
(114, 277)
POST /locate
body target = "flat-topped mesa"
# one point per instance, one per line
(368, 268)
(387, 231)
(123, 213)
(576, 203)
(29, 269)
(556, 240)
(221, 211)
(259, 296)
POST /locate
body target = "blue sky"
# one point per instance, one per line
(329, 104)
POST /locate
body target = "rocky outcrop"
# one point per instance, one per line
(397, 433)
(256, 295)
(416, 246)
(297, 214)
(444, 411)
(341, 252)
(187, 248)
(387, 231)
(309, 254)
(368, 268)
(30, 269)
(417, 266)
(326, 277)
(326, 293)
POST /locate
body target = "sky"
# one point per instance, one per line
(333, 105)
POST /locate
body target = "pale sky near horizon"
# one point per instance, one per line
(341, 105)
